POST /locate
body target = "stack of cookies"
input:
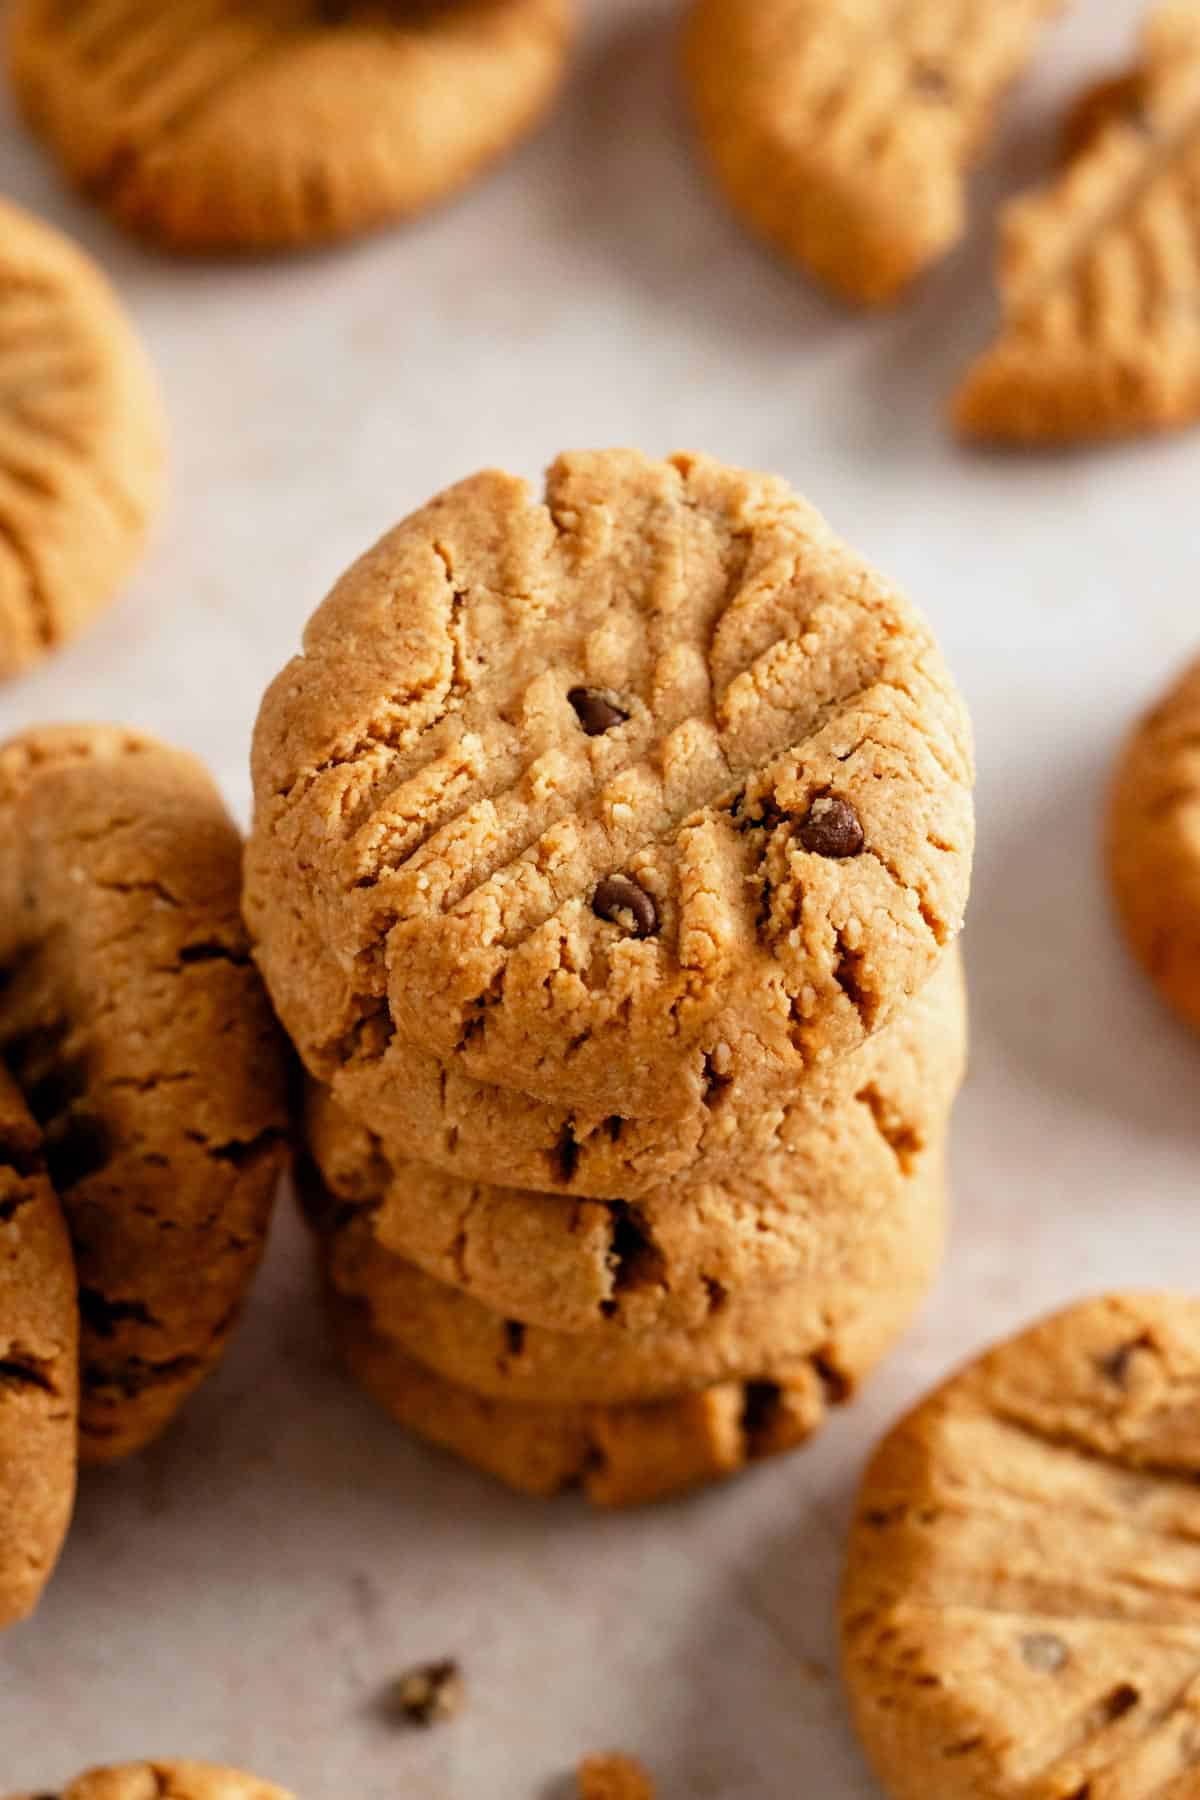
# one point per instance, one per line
(609, 856)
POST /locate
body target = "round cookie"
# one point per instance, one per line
(165, 1781)
(81, 441)
(643, 801)
(630, 1455)
(846, 1153)
(843, 131)
(286, 123)
(1154, 845)
(39, 1365)
(753, 1334)
(133, 1020)
(1021, 1614)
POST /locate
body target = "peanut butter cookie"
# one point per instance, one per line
(845, 1155)
(1100, 272)
(644, 800)
(630, 1455)
(39, 1365)
(1021, 1615)
(132, 1019)
(166, 1781)
(1154, 845)
(844, 132)
(286, 123)
(81, 441)
(752, 1334)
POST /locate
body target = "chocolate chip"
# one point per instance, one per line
(595, 712)
(622, 902)
(832, 828)
(1115, 1366)
(432, 1694)
(1042, 1651)
(931, 81)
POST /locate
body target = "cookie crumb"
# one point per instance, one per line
(431, 1694)
(612, 1777)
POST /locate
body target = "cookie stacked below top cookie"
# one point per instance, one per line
(608, 860)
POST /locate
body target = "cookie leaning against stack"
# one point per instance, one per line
(614, 846)
(134, 1024)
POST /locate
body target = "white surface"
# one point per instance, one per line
(244, 1591)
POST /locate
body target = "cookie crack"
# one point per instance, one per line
(41, 609)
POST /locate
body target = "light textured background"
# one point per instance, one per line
(244, 1591)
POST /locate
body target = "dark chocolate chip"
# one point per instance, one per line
(431, 1695)
(623, 902)
(832, 828)
(1115, 1366)
(931, 81)
(595, 712)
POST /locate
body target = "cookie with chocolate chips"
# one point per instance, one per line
(39, 1364)
(728, 866)
(285, 123)
(1020, 1614)
(165, 1781)
(133, 1021)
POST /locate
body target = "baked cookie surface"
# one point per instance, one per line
(1020, 1614)
(165, 1781)
(645, 800)
(133, 1021)
(217, 127)
(631, 1455)
(844, 1157)
(39, 1364)
(1100, 271)
(844, 133)
(1154, 844)
(81, 441)
(752, 1335)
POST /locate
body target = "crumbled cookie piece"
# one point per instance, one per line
(614, 1777)
(432, 1694)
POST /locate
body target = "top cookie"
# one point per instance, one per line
(166, 1781)
(844, 133)
(1100, 271)
(133, 1020)
(39, 1364)
(284, 123)
(1154, 844)
(623, 799)
(1021, 1614)
(81, 441)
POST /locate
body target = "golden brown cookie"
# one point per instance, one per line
(132, 1018)
(81, 441)
(645, 799)
(843, 131)
(629, 1455)
(1100, 271)
(1021, 1612)
(166, 1781)
(1154, 844)
(751, 1334)
(39, 1365)
(212, 125)
(845, 1155)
